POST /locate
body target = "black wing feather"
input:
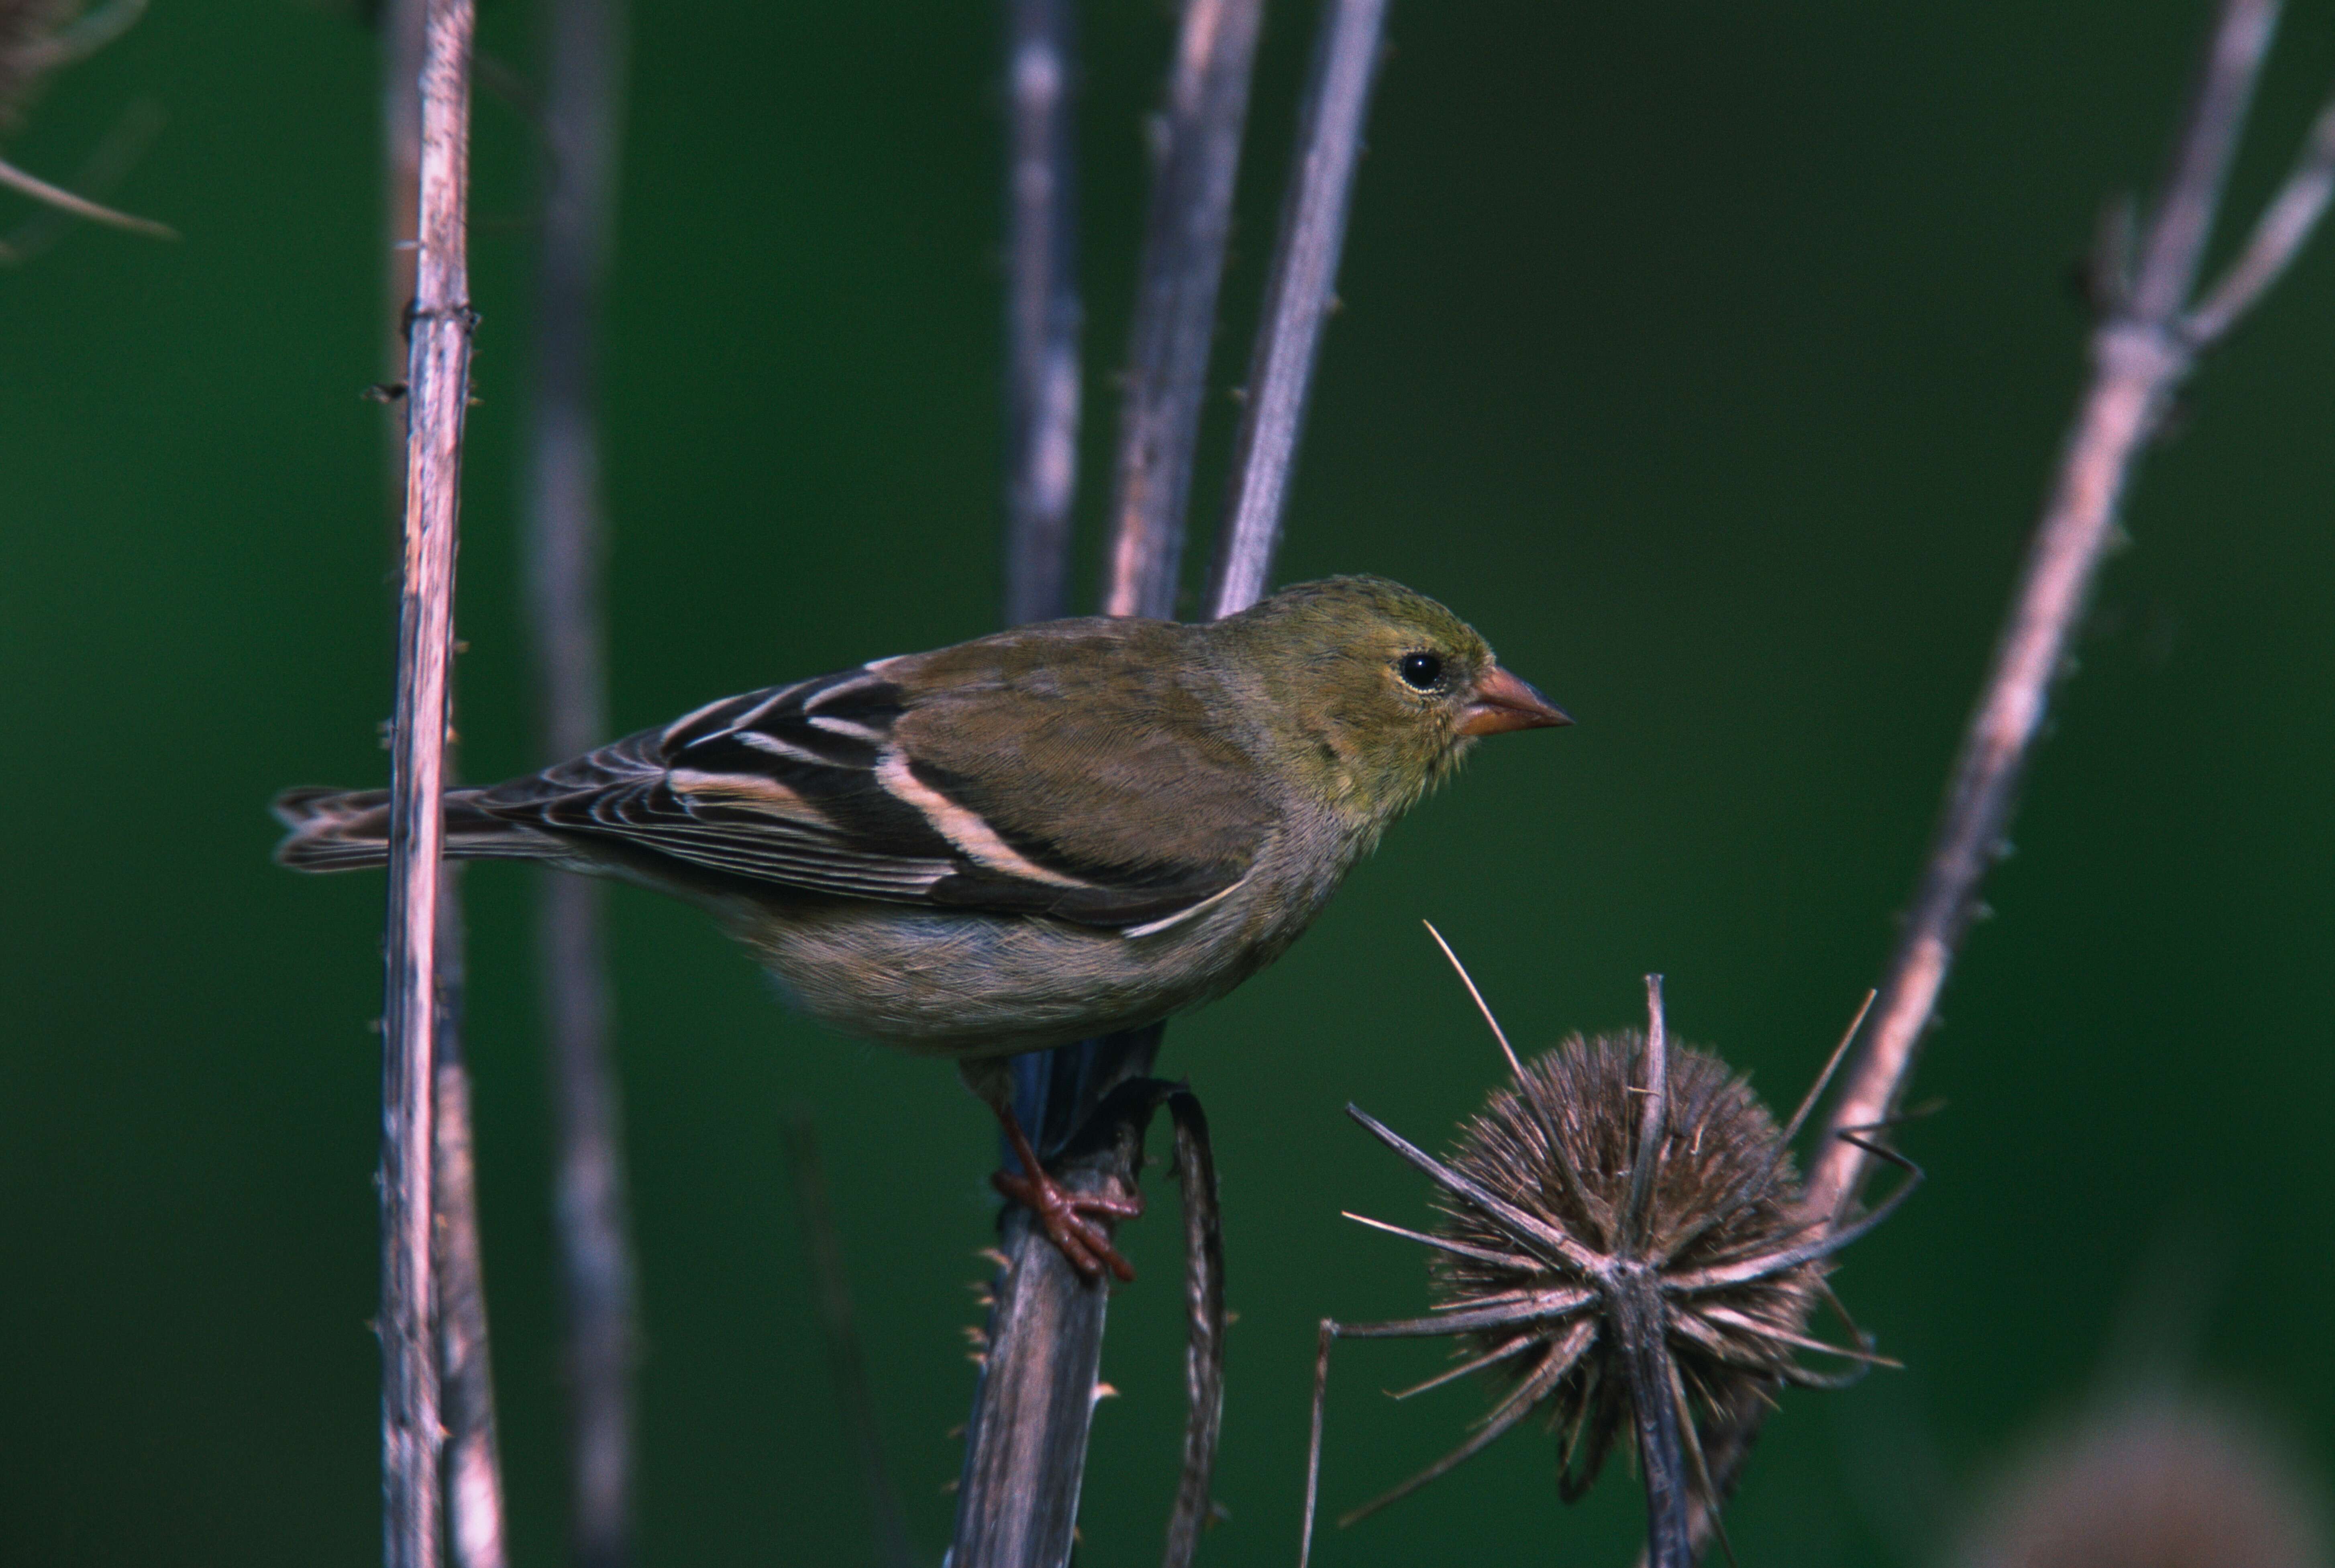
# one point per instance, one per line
(781, 786)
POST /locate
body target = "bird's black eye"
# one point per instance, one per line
(1420, 672)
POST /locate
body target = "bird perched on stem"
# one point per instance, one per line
(1054, 832)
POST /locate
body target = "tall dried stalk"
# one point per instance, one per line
(472, 1459)
(582, 125)
(1026, 1442)
(1176, 301)
(438, 379)
(1042, 308)
(2149, 340)
(1026, 1445)
(1300, 292)
(474, 1454)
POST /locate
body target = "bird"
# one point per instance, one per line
(1053, 832)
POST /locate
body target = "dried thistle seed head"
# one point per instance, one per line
(1623, 1246)
(1561, 1145)
(2172, 1485)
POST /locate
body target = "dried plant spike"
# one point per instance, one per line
(1625, 1251)
(1792, 1127)
(1650, 1122)
(1507, 1051)
(1831, 1066)
(1314, 1448)
(36, 36)
(1516, 1067)
(65, 201)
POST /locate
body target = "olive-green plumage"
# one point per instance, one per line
(1008, 843)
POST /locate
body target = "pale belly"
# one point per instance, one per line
(965, 984)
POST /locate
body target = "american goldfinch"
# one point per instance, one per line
(1050, 833)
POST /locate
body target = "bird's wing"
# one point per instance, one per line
(857, 784)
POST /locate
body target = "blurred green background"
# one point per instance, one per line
(1710, 357)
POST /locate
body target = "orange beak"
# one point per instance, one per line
(1502, 703)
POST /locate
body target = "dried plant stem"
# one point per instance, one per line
(1026, 1443)
(1026, 1440)
(1025, 1451)
(590, 1219)
(1637, 1316)
(582, 121)
(2146, 345)
(473, 1457)
(2142, 351)
(116, 154)
(1041, 309)
(1300, 293)
(474, 1487)
(472, 1494)
(438, 381)
(2278, 237)
(43, 38)
(63, 200)
(1025, 1447)
(1204, 1314)
(1176, 301)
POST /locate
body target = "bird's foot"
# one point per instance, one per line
(1084, 1244)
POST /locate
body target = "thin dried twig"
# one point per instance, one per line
(2278, 237)
(116, 152)
(1026, 1440)
(1025, 1450)
(2145, 346)
(1300, 293)
(1041, 309)
(2142, 351)
(581, 116)
(1204, 1312)
(1026, 1443)
(1025, 1456)
(844, 1358)
(1176, 301)
(438, 375)
(474, 1481)
(1045, 1335)
(473, 1497)
(473, 1493)
(32, 51)
(63, 200)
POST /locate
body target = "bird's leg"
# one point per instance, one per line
(1084, 1244)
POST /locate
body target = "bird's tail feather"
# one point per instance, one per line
(346, 830)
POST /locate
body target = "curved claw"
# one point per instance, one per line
(1083, 1244)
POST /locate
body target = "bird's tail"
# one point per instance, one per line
(346, 829)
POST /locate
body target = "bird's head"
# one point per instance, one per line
(1377, 691)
